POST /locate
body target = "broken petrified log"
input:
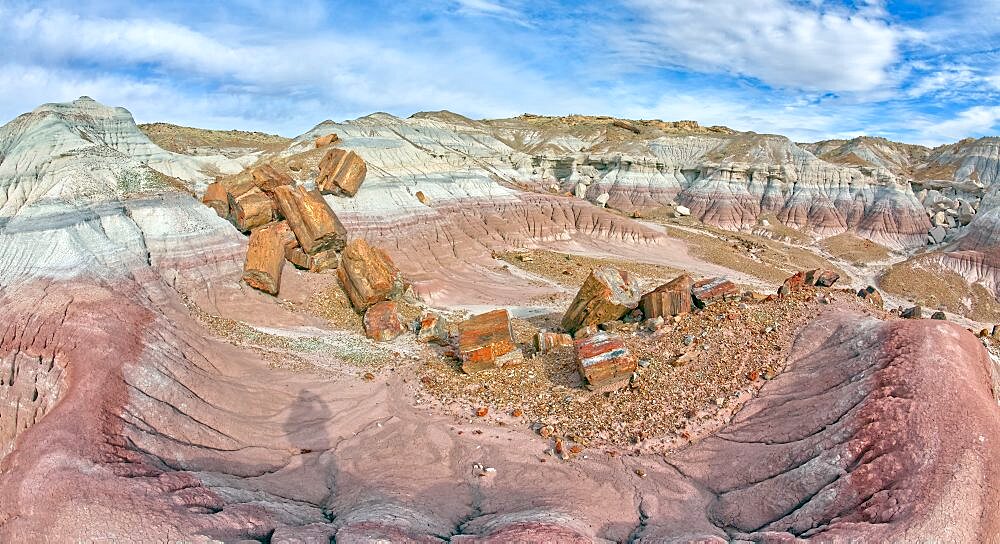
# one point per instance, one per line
(939, 315)
(250, 209)
(794, 283)
(311, 219)
(265, 258)
(548, 341)
(341, 172)
(711, 290)
(916, 312)
(433, 329)
(826, 278)
(368, 275)
(606, 295)
(670, 299)
(215, 197)
(487, 341)
(324, 260)
(872, 296)
(604, 361)
(267, 178)
(383, 322)
(327, 139)
(299, 258)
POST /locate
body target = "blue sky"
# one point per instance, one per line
(915, 71)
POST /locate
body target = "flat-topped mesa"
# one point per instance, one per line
(217, 198)
(670, 299)
(267, 178)
(311, 218)
(341, 172)
(250, 209)
(486, 341)
(606, 295)
(265, 259)
(368, 275)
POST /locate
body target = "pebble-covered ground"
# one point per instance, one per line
(690, 374)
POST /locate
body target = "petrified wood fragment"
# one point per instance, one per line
(310, 218)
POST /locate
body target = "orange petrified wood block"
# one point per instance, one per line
(604, 361)
(487, 341)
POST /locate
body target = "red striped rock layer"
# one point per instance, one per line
(142, 428)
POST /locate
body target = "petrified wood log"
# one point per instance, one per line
(341, 172)
(216, 198)
(383, 322)
(311, 219)
(250, 209)
(265, 258)
(327, 139)
(368, 275)
(486, 341)
(670, 299)
(267, 178)
(606, 295)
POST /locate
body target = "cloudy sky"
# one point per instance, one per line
(811, 69)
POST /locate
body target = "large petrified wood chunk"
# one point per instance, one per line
(311, 219)
(215, 197)
(250, 209)
(433, 329)
(670, 299)
(368, 275)
(267, 178)
(265, 258)
(486, 341)
(327, 139)
(383, 322)
(341, 172)
(606, 295)
(711, 290)
(603, 360)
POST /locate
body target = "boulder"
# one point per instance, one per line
(433, 329)
(939, 315)
(872, 296)
(215, 197)
(711, 290)
(548, 341)
(603, 199)
(915, 312)
(265, 259)
(341, 172)
(383, 322)
(424, 199)
(604, 361)
(368, 275)
(670, 299)
(486, 341)
(327, 139)
(606, 295)
(250, 209)
(266, 178)
(793, 284)
(682, 211)
(936, 235)
(310, 218)
(826, 278)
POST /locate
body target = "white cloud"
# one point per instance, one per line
(973, 121)
(782, 43)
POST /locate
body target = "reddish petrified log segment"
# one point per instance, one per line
(606, 295)
(265, 258)
(310, 217)
(383, 322)
(548, 341)
(487, 341)
(872, 296)
(711, 290)
(250, 209)
(327, 139)
(793, 284)
(217, 198)
(603, 360)
(670, 299)
(826, 278)
(433, 329)
(341, 172)
(368, 275)
(324, 260)
(267, 178)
